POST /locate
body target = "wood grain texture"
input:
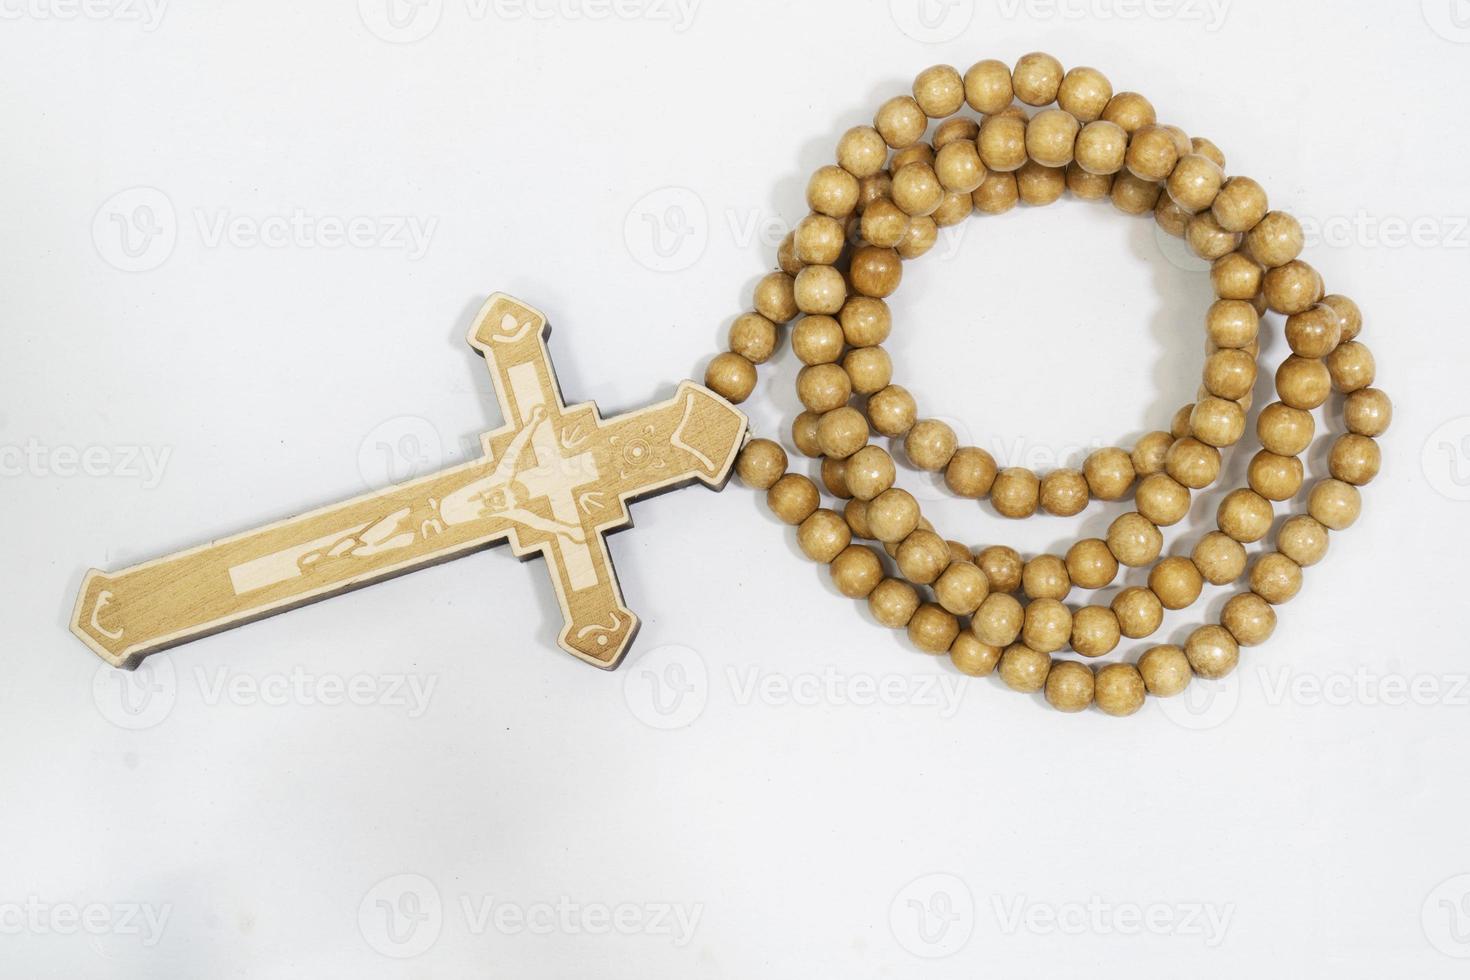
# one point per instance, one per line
(555, 480)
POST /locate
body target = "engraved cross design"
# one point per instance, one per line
(554, 481)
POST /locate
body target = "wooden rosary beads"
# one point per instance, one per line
(872, 210)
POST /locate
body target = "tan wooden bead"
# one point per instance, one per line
(870, 471)
(1039, 186)
(1085, 93)
(832, 191)
(1024, 669)
(930, 445)
(1162, 499)
(1303, 539)
(861, 151)
(1090, 565)
(893, 603)
(1170, 217)
(958, 166)
(1284, 430)
(922, 234)
(1109, 473)
(875, 271)
(893, 515)
(1037, 78)
(998, 620)
(939, 91)
(884, 223)
(1244, 515)
(1240, 205)
(1016, 492)
(900, 121)
(997, 194)
(1119, 689)
(1368, 412)
(1230, 373)
(1095, 631)
(804, 433)
(1050, 137)
(1165, 670)
(916, 189)
(1194, 182)
(955, 207)
(730, 376)
(870, 369)
(1303, 383)
(1063, 492)
(1179, 424)
(1139, 612)
(1232, 323)
(1151, 453)
(866, 321)
(786, 258)
(932, 629)
(834, 478)
(1192, 463)
(970, 655)
(823, 535)
(1249, 618)
(1002, 565)
(775, 297)
(1217, 421)
(957, 129)
(823, 387)
(842, 432)
(970, 473)
(1350, 318)
(1235, 276)
(753, 337)
(959, 551)
(877, 187)
(1292, 288)
(988, 86)
(961, 588)
(1176, 581)
(1354, 459)
(1130, 111)
(1002, 143)
(1208, 150)
(856, 515)
(856, 571)
(1314, 332)
(793, 498)
(819, 240)
(923, 556)
(1133, 195)
(1276, 578)
(761, 463)
(1207, 239)
(1045, 577)
(1275, 477)
(1276, 239)
(1152, 153)
(1088, 187)
(1134, 540)
(1334, 504)
(917, 153)
(1182, 145)
(1351, 366)
(1213, 653)
(892, 411)
(1069, 686)
(1219, 557)
(820, 289)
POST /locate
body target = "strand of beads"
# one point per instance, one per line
(873, 210)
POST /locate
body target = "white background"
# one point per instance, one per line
(1307, 815)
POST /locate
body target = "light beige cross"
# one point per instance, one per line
(554, 481)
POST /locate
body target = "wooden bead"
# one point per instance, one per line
(1050, 137)
(1162, 500)
(1212, 652)
(1284, 430)
(1134, 540)
(939, 91)
(1063, 492)
(1351, 366)
(1139, 612)
(862, 151)
(1151, 453)
(1024, 669)
(958, 166)
(834, 477)
(1037, 78)
(775, 297)
(1002, 565)
(842, 432)
(761, 463)
(1045, 577)
(866, 321)
(1095, 631)
(730, 376)
(875, 271)
(869, 369)
(753, 337)
(930, 445)
(804, 433)
(884, 223)
(870, 471)
(1275, 578)
(893, 515)
(823, 535)
(1207, 239)
(1152, 153)
(786, 258)
(793, 498)
(1240, 205)
(922, 556)
(957, 129)
(820, 289)
(1275, 477)
(1235, 276)
(997, 194)
(1230, 374)
(1314, 332)
(970, 473)
(1134, 195)
(819, 240)
(1002, 143)
(878, 187)
(1119, 689)
(970, 655)
(1249, 618)
(1179, 424)
(998, 620)
(1368, 412)
(1217, 421)
(1015, 492)
(1303, 539)
(1219, 558)
(1170, 217)
(954, 208)
(892, 411)
(1085, 93)
(1195, 182)
(1182, 145)
(1101, 147)
(961, 587)
(1165, 670)
(1292, 288)
(1350, 318)
(856, 571)
(1192, 463)
(856, 515)
(1069, 686)
(916, 189)
(1207, 149)
(1039, 186)
(1090, 565)
(1130, 111)
(1303, 382)
(922, 234)
(1354, 459)
(900, 121)
(1176, 581)
(1109, 473)
(1244, 515)
(1232, 323)
(988, 86)
(932, 629)
(832, 191)
(1334, 504)
(893, 603)
(1276, 239)
(823, 387)
(917, 153)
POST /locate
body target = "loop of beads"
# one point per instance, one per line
(873, 210)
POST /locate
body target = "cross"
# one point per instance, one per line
(555, 480)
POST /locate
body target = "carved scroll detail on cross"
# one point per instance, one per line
(555, 481)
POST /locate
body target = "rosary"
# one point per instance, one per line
(557, 478)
